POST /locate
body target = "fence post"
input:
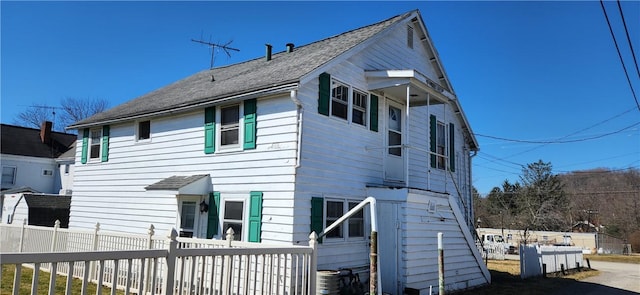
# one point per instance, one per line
(24, 224)
(169, 278)
(94, 247)
(313, 264)
(54, 238)
(146, 280)
(226, 266)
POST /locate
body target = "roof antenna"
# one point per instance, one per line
(215, 46)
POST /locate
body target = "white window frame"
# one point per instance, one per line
(244, 198)
(350, 103)
(219, 128)
(47, 172)
(13, 175)
(139, 133)
(98, 157)
(345, 225)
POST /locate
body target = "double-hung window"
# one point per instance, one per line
(95, 142)
(339, 100)
(348, 103)
(230, 125)
(232, 217)
(350, 229)
(188, 218)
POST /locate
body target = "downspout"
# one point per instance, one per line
(429, 143)
(406, 150)
(473, 215)
(374, 229)
(299, 112)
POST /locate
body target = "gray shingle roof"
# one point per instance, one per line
(23, 141)
(175, 182)
(246, 77)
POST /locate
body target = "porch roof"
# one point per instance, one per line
(190, 184)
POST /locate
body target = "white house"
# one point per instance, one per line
(29, 160)
(281, 145)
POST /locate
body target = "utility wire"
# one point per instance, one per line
(619, 54)
(558, 141)
(635, 61)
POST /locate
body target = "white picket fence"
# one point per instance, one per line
(534, 259)
(143, 264)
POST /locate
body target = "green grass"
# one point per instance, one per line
(8, 271)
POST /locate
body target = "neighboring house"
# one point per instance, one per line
(29, 159)
(279, 146)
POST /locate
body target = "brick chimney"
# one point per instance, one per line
(45, 132)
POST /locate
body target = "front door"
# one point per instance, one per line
(394, 153)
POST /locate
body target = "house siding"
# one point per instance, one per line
(113, 193)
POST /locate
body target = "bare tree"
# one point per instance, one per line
(71, 110)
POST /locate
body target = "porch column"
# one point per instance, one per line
(406, 128)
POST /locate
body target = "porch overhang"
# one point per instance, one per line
(422, 90)
(183, 185)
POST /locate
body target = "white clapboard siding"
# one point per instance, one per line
(113, 193)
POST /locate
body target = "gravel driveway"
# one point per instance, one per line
(615, 279)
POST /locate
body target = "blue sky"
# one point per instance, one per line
(523, 71)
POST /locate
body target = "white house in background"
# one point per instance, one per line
(29, 160)
(281, 145)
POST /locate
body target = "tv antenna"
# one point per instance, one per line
(225, 47)
(52, 108)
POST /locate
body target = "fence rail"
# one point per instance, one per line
(184, 265)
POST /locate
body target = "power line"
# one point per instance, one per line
(558, 141)
(619, 54)
(628, 38)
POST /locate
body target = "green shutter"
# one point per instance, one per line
(432, 139)
(250, 124)
(105, 143)
(452, 148)
(85, 145)
(255, 216)
(324, 94)
(210, 130)
(373, 113)
(213, 220)
(317, 215)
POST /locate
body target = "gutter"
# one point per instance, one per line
(299, 112)
(248, 95)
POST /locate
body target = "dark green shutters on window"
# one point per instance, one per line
(105, 143)
(213, 219)
(85, 145)
(250, 124)
(432, 139)
(317, 215)
(324, 94)
(209, 130)
(373, 113)
(255, 217)
(452, 147)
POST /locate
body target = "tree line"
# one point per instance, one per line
(543, 201)
(70, 110)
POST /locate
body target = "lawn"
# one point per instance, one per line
(505, 279)
(6, 284)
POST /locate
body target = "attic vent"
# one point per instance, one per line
(410, 37)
